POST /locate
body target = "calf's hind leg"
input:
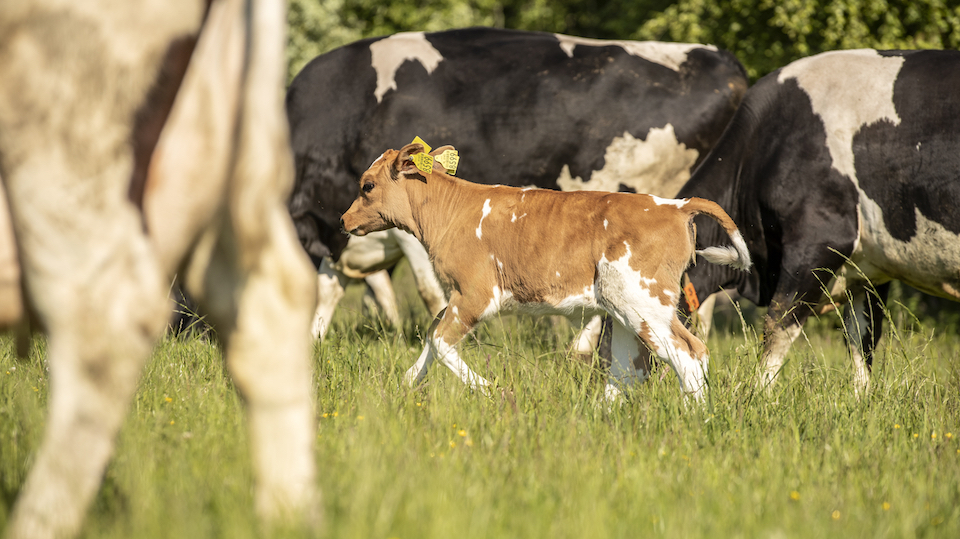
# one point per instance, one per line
(667, 337)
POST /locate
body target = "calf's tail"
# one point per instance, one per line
(736, 255)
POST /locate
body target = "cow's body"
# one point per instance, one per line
(105, 208)
(847, 161)
(524, 108)
(541, 251)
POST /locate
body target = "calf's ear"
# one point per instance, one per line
(404, 165)
(437, 165)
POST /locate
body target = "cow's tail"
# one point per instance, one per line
(736, 255)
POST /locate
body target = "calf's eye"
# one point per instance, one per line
(367, 187)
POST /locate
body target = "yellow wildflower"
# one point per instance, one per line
(794, 495)
(835, 515)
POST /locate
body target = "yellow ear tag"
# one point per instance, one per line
(423, 161)
(449, 159)
(426, 147)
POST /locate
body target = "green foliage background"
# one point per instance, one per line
(764, 34)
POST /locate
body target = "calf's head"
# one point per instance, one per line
(383, 201)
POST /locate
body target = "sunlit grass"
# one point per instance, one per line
(542, 457)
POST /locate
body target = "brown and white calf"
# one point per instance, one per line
(138, 139)
(547, 252)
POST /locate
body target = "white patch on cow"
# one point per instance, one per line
(375, 161)
(928, 262)
(678, 202)
(670, 55)
(390, 53)
(500, 265)
(604, 224)
(513, 218)
(849, 90)
(364, 255)
(658, 165)
(486, 212)
(500, 300)
(558, 274)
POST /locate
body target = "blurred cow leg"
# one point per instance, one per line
(11, 296)
(251, 273)
(97, 346)
(247, 271)
(93, 281)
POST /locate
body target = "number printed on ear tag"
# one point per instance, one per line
(449, 159)
(426, 147)
(423, 161)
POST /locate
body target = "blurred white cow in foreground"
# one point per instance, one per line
(105, 208)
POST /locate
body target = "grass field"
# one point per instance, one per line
(544, 457)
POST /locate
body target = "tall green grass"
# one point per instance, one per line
(542, 457)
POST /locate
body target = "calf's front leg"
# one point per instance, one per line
(449, 328)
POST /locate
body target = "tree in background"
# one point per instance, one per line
(768, 34)
(764, 34)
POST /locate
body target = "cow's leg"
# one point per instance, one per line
(588, 338)
(863, 324)
(383, 298)
(807, 264)
(446, 332)
(705, 315)
(624, 351)
(255, 296)
(330, 290)
(95, 285)
(423, 274)
(11, 299)
(780, 329)
(685, 353)
(259, 283)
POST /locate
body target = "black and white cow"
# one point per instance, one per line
(548, 110)
(843, 164)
